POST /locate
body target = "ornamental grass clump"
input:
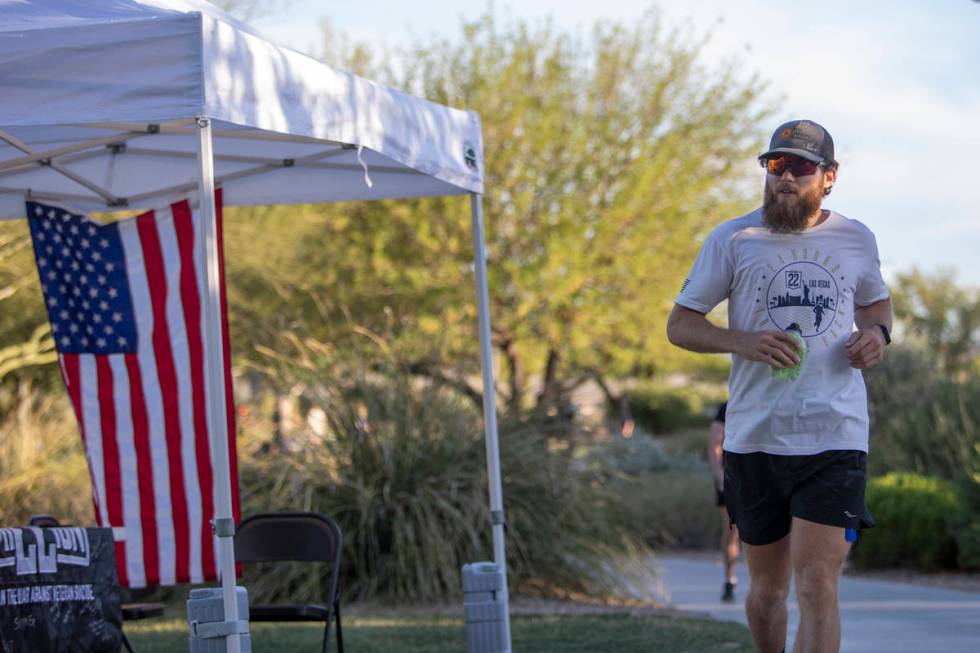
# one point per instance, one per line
(402, 468)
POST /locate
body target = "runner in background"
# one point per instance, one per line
(729, 532)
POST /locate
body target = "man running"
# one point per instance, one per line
(729, 533)
(795, 451)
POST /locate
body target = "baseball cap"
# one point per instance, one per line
(803, 138)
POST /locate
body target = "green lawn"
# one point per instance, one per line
(564, 634)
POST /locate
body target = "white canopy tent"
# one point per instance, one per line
(127, 104)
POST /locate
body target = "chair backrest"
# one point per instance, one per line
(44, 521)
(301, 536)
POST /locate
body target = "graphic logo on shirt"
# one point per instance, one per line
(804, 293)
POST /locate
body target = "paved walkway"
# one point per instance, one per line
(877, 616)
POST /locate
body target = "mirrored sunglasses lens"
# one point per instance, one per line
(776, 166)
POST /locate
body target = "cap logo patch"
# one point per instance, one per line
(786, 133)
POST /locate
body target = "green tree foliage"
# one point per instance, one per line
(606, 159)
(25, 337)
(941, 315)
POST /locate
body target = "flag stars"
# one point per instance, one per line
(38, 210)
(89, 267)
(96, 318)
(84, 341)
(103, 306)
(73, 327)
(57, 238)
(65, 341)
(91, 230)
(108, 329)
(96, 256)
(122, 341)
(109, 267)
(103, 243)
(101, 343)
(74, 230)
(85, 243)
(93, 293)
(64, 315)
(113, 293)
(117, 317)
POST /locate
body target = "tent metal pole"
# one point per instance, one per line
(224, 523)
(489, 400)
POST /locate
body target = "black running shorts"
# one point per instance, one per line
(763, 492)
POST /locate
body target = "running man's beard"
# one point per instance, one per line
(789, 215)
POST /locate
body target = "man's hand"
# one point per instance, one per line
(774, 348)
(866, 347)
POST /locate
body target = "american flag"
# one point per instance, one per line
(126, 305)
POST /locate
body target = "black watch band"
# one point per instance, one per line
(884, 332)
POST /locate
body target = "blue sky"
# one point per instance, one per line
(897, 84)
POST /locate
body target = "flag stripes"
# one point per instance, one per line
(141, 402)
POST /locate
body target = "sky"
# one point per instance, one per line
(896, 83)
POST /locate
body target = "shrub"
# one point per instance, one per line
(922, 422)
(403, 470)
(914, 515)
(658, 408)
(668, 498)
(42, 463)
(966, 524)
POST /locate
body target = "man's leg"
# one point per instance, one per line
(731, 552)
(818, 553)
(728, 532)
(769, 573)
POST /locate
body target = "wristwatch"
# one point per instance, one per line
(884, 332)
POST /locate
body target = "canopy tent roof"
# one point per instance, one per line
(100, 102)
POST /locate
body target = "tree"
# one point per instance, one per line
(944, 316)
(25, 336)
(606, 160)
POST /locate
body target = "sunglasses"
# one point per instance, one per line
(799, 166)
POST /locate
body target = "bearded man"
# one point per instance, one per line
(795, 451)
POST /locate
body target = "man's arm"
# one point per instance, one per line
(866, 346)
(691, 330)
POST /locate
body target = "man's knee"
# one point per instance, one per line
(816, 582)
(768, 593)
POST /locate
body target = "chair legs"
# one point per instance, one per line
(125, 641)
(340, 632)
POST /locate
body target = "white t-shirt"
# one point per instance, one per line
(813, 279)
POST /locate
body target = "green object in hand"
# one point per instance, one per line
(793, 373)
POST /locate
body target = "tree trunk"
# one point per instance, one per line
(619, 402)
(550, 393)
(515, 372)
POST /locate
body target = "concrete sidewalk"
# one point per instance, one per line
(877, 616)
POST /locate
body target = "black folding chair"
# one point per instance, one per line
(130, 611)
(295, 536)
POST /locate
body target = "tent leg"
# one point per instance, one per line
(224, 523)
(489, 400)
